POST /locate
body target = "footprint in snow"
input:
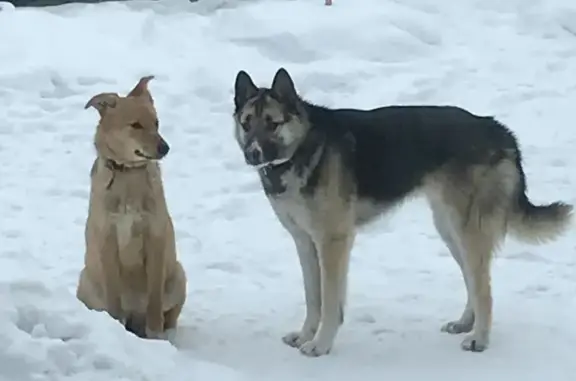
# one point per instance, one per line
(225, 267)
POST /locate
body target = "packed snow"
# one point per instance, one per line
(513, 59)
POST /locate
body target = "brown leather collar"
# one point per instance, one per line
(114, 166)
(117, 167)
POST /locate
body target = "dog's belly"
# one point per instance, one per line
(299, 211)
(367, 211)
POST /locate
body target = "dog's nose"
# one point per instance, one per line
(163, 148)
(252, 157)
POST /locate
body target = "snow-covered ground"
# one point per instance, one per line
(515, 59)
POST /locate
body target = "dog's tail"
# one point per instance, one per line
(537, 224)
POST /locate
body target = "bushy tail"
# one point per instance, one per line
(538, 224)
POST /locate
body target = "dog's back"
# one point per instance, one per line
(401, 144)
(393, 151)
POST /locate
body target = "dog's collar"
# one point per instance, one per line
(114, 167)
(271, 166)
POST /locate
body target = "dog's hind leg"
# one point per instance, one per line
(89, 293)
(481, 199)
(479, 245)
(309, 262)
(176, 296)
(444, 225)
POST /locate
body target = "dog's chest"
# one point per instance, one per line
(130, 232)
(293, 209)
(284, 179)
(284, 190)
(132, 208)
(128, 227)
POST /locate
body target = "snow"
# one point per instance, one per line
(514, 59)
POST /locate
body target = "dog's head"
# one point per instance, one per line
(128, 129)
(271, 123)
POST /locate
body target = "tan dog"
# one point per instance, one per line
(131, 268)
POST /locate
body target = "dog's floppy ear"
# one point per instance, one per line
(244, 89)
(102, 102)
(141, 88)
(283, 87)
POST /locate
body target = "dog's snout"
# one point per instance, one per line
(253, 153)
(163, 148)
(252, 156)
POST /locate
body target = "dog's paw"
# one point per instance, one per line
(297, 338)
(315, 348)
(457, 327)
(154, 323)
(156, 335)
(475, 343)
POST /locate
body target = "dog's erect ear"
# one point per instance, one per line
(141, 88)
(244, 89)
(102, 102)
(283, 87)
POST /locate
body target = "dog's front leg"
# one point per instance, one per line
(155, 247)
(109, 256)
(334, 253)
(310, 265)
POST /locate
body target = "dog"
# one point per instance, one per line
(328, 172)
(131, 268)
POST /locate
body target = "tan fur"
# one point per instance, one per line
(131, 267)
(473, 209)
(540, 231)
(330, 224)
(335, 236)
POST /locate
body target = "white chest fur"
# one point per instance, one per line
(293, 209)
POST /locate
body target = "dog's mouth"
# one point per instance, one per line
(143, 155)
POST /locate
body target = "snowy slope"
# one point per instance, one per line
(514, 59)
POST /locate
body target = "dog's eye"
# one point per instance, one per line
(136, 126)
(246, 123)
(274, 125)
